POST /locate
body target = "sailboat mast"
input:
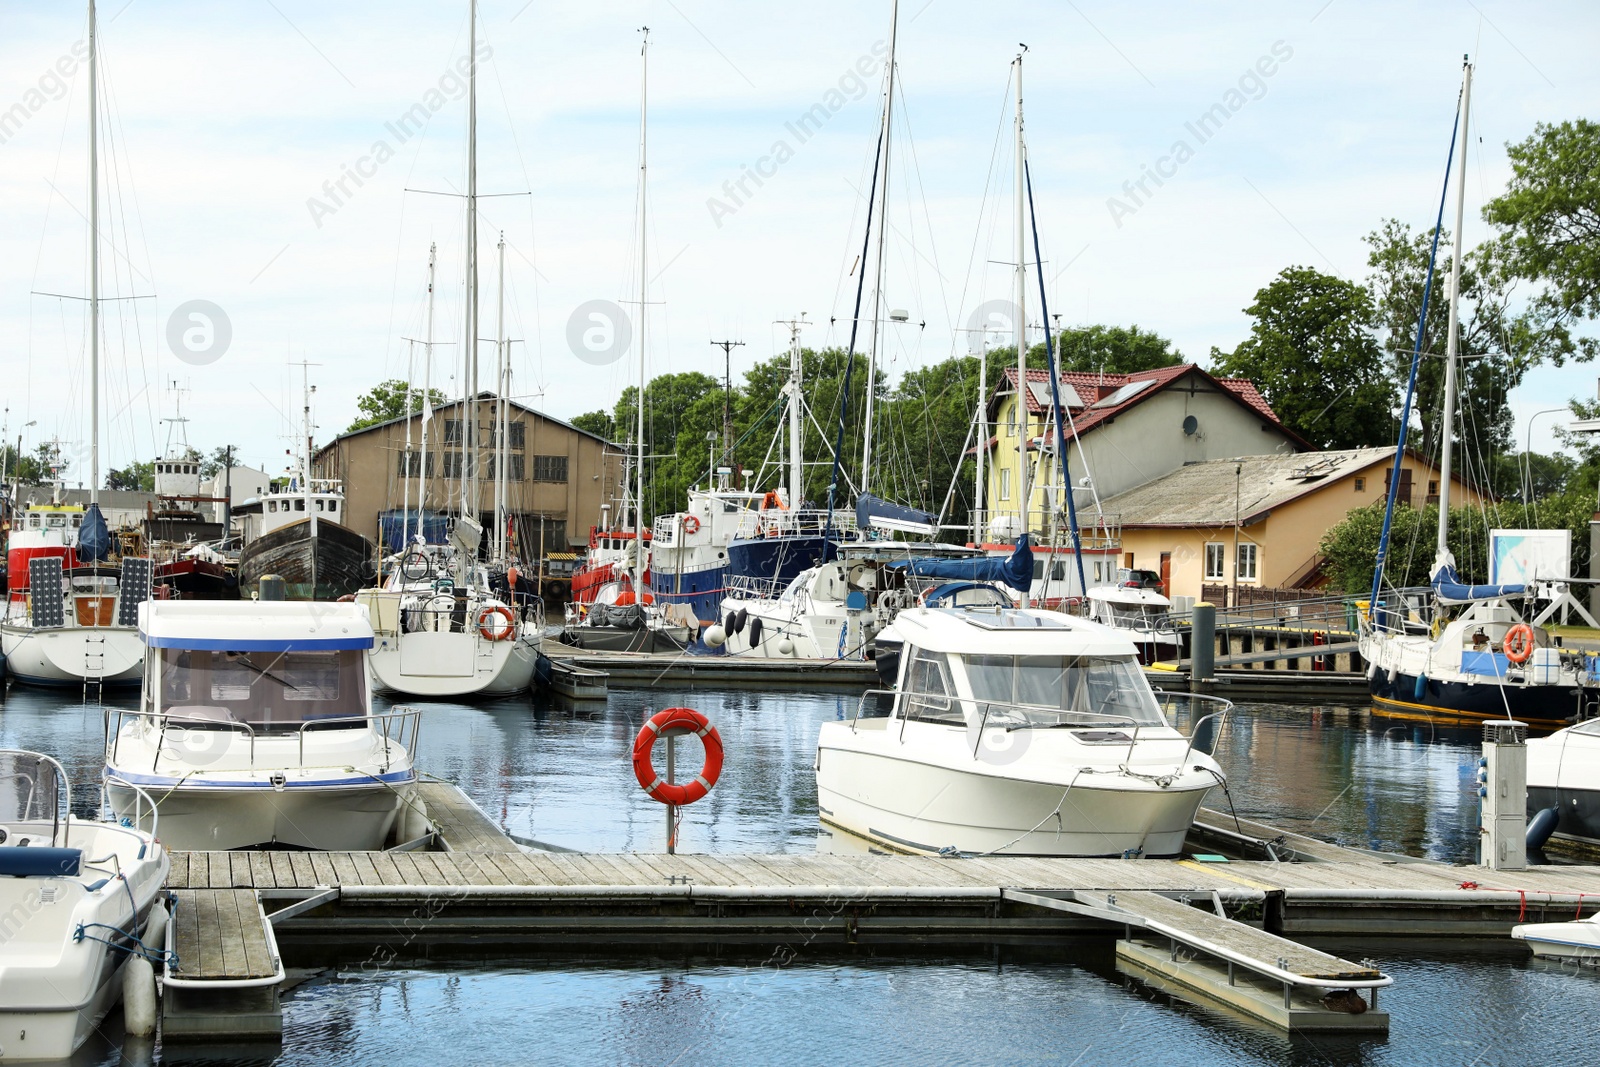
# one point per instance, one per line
(1453, 344)
(644, 281)
(427, 404)
(405, 464)
(470, 501)
(501, 377)
(883, 226)
(983, 441)
(797, 475)
(94, 259)
(1022, 333)
(305, 460)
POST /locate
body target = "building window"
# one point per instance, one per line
(549, 468)
(452, 431)
(412, 466)
(518, 434)
(1433, 488)
(1216, 561)
(514, 467)
(1248, 555)
(1005, 483)
(453, 466)
(1361, 485)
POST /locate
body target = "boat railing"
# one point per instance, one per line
(144, 805)
(397, 726)
(750, 587)
(32, 780)
(1169, 703)
(756, 523)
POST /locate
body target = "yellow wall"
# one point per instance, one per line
(1287, 540)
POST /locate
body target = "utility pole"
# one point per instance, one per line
(727, 400)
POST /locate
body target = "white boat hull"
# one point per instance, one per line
(441, 665)
(72, 655)
(869, 784)
(1578, 940)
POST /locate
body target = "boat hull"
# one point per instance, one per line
(701, 589)
(1577, 940)
(428, 664)
(924, 808)
(72, 655)
(198, 579)
(335, 563)
(625, 639)
(351, 814)
(780, 559)
(1547, 707)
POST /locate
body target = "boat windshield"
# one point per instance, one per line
(1039, 688)
(269, 691)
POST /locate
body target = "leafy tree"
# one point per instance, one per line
(600, 423)
(222, 456)
(679, 409)
(1529, 476)
(1112, 349)
(1550, 218)
(1312, 355)
(135, 476)
(387, 400)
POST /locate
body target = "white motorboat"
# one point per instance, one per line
(1575, 940)
(1564, 778)
(257, 729)
(1135, 602)
(77, 896)
(1013, 731)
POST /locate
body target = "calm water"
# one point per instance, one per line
(561, 774)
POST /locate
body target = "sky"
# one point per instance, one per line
(273, 173)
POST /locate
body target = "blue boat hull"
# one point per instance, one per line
(778, 558)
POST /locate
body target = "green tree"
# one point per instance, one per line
(222, 456)
(1112, 349)
(1550, 218)
(387, 400)
(1312, 355)
(599, 423)
(136, 476)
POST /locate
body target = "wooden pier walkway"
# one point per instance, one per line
(224, 981)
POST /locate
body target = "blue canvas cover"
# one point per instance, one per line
(1015, 570)
(94, 539)
(894, 516)
(1449, 588)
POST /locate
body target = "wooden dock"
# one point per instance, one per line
(225, 977)
(646, 668)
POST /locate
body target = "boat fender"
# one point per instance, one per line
(413, 821)
(1372, 670)
(1543, 825)
(786, 647)
(1421, 687)
(155, 927)
(1394, 673)
(715, 636)
(739, 618)
(755, 632)
(677, 793)
(139, 997)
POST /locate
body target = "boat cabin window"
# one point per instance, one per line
(928, 690)
(1076, 690)
(299, 505)
(273, 692)
(272, 505)
(57, 520)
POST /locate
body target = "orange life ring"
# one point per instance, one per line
(505, 634)
(691, 524)
(678, 793)
(1519, 643)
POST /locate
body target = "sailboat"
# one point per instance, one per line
(442, 632)
(72, 607)
(1490, 661)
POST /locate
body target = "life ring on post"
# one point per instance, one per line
(691, 525)
(507, 629)
(678, 793)
(1518, 643)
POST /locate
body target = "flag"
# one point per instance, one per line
(427, 409)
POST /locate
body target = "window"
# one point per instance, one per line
(1061, 690)
(514, 467)
(319, 505)
(1361, 485)
(1005, 484)
(452, 432)
(411, 465)
(453, 464)
(518, 435)
(1216, 561)
(333, 505)
(1248, 555)
(928, 689)
(1433, 488)
(300, 504)
(548, 468)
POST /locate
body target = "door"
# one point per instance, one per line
(1127, 560)
(1403, 495)
(1166, 574)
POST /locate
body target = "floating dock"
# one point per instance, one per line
(1215, 931)
(648, 668)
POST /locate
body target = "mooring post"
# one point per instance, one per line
(1202, 646)
(672, 809)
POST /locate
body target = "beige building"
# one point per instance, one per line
(1259, 520)
(1133, 429)
(558, 476)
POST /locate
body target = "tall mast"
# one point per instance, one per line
(501, 388)
(427, 405)
(983, 440)
(305, 460)
(405, 464)
(470, 501)
(644, 281)
(1022, 330)
(883, 226)
(1453, 344)
(797, 474)
(94, 259)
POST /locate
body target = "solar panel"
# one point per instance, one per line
(1123, 394)
(45, 591)
(1014, 619)
(1040, 391)
(136, 575)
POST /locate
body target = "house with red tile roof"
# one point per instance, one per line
(1131, 428)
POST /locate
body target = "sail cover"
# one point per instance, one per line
(875, 511)
(94, 540)
(1449, 588)
(1015, 570)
